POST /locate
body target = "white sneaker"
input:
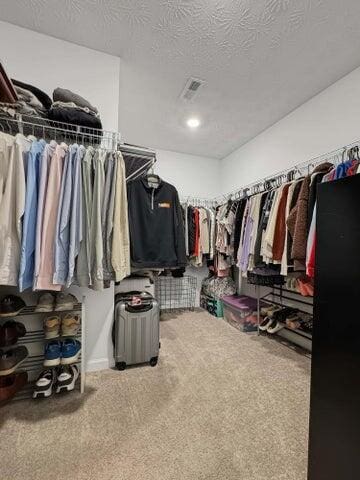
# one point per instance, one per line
(45, 303)
(264, 325)
(44, 384)
(65, 301)
(67, 378)
(275, 326)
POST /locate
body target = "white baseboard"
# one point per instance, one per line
(99, 364)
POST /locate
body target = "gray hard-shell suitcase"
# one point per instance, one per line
(136, 330)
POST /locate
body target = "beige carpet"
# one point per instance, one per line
(220, 405)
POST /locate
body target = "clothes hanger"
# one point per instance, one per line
(151, 177)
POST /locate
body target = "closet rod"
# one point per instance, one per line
(197, 201)
(107, 139)
(44, 124)
(331, 156)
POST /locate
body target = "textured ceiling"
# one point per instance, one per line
(260, 59)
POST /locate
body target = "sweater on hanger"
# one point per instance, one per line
(156, 225)
(284, 259)
(280, 227)
(297, 220)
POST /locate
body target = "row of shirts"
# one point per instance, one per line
(276, 224)
(63, 215)
(199, 233)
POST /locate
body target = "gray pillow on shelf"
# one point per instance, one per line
(64, 95)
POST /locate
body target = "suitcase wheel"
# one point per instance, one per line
(153, 361)
(121, 365)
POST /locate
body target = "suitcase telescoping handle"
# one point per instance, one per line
(142, 307)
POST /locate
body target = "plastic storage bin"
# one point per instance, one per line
(241, 312)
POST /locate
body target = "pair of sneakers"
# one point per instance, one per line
(47, 302)
(62, 353)
(271, 325)
(58, 380)
(67, 326)
(276, 319)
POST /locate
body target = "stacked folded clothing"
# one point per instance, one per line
(69, 107)
(31, 102)
(43, 98)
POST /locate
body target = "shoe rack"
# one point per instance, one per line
(291, 298)
(35, 342)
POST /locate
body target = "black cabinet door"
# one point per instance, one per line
(334, 441)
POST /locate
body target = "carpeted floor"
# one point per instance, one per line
(220, 405)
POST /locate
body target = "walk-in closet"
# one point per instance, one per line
(179, 240)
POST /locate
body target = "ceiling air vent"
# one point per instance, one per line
(192, 88)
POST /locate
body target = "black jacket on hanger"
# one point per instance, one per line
(157, 236)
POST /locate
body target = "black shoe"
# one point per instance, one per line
(11, 305)
(282, 314)
(10, 332)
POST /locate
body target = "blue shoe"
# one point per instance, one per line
(52, 354)
(70, 351)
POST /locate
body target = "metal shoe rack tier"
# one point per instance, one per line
(35, 340)
(290, 298)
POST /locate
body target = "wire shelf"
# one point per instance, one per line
(176, 293)
(138, 159)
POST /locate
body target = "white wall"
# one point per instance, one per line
(328, 121)
(192, 175)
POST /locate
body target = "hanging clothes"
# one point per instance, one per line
(12, 204)
(120, 249)
(49, 151)
(107, 214)
(280, 226)
(27, 259)
(298, 218)
(83, 267)
(156, 225)
(44, 280)
(76, 224)
(62, 236)
(96, 241)
(63, 215)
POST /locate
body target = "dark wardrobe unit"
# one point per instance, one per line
(334, 441)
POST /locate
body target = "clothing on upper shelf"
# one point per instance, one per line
(157, 231)
(63, 215)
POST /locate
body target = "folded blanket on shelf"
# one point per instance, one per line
(64, 95)
(43, 98)
(77, 117)
(30, 100)
(72, 105)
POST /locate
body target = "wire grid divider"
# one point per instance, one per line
(176, 293)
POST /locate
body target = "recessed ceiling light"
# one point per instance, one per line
(193, 122)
